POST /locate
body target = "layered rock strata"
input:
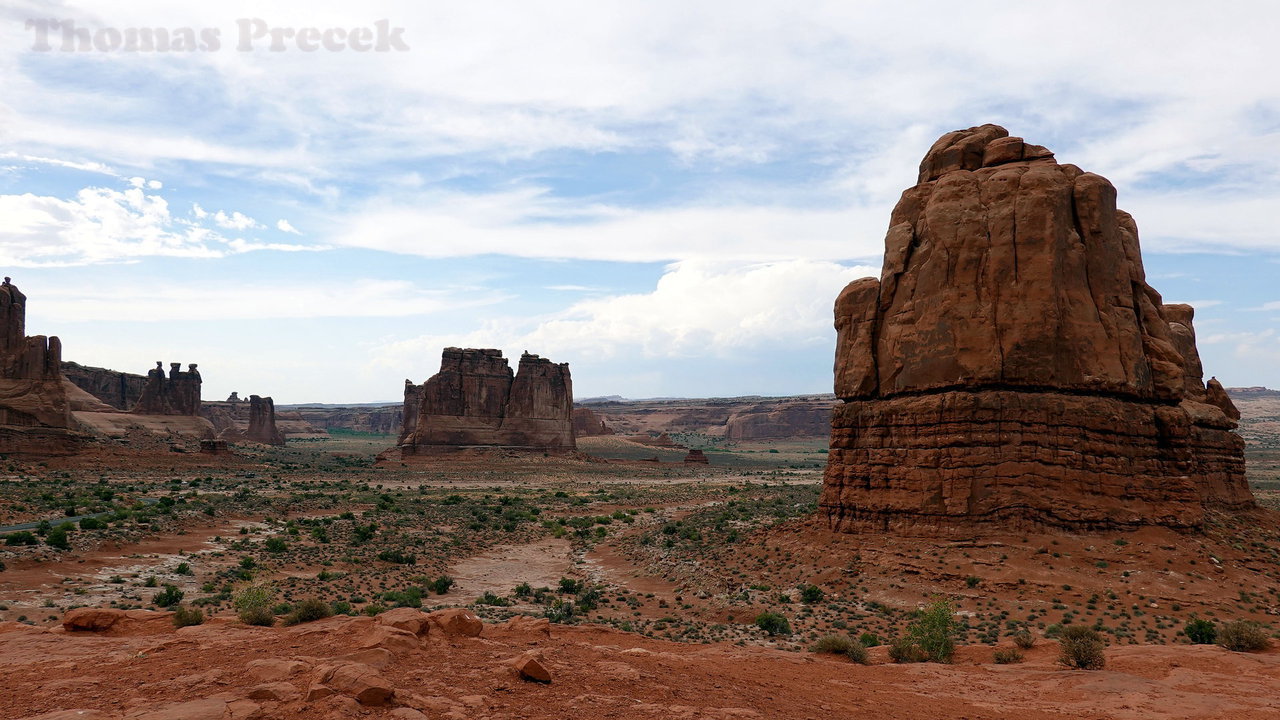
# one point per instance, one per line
(476, 402)
(35, 413)
(178, 393)
(1011, 366)
(120, 390)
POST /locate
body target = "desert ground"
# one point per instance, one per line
(647, 571)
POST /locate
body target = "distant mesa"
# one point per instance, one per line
(696, 456)
(1011, 367)
(586, 423)
(475, 402)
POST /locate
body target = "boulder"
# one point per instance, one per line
(456, 621)
(92, 619)
(408, 619)
(358, 681)
(530, 667)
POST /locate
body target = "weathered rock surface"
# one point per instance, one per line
(178, 393)
(789, 420)
(120, 390)
(696, 456)
(475, 401)
(1012, 366)
(586, 423)
(35, 413)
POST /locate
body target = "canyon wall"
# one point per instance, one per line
(35, 413)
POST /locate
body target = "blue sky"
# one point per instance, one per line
(668, 196)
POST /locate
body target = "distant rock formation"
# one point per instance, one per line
(475, 402)
(791, 420)
(1011, 367)
(253, 420)
(586, 423)
(697, 457)
(35, 413)
(176, 394)
(120, 390)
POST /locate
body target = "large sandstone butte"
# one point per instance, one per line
(476, 402)
(35, 414)
(176, 394)
(1011, 366)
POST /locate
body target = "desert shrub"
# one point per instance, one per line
(1024, 639)
(1243, 636)
(522, 590)
(570, 586)
(1007, 656)
(1081, 648)
(1201, 632)
(811, 594)
(441, 585)
(57, 537)
(397, 556)
(773, 623)
(905, 649)
(308, 610)
(276, 545)
(835, 644)
(21, 538)
(341, 607)
(253, 605)
(183, 617)
(559, 611)
(183, 569)
(168, 597)
(972, 581)
(857, 652)
(92, 523)
(488, 598)
(869, 639)
(934, 631)
(411, 597)
(374, 609)
(589, 598)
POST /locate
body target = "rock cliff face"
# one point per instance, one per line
(238, 420)
(35, 413)
(176, 394)
(120, 390)
(474, 401)
(790, 420)
(1011, 366)
(586, 423)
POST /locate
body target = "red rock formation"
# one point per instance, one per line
(586, 423)
(35, 414)
(260, 426)
(788, 420)
(177, 394)
(120, 390)
(474, 401)
(696, 456)
(1011, 365)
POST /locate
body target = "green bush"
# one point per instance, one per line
(1024, 639)
(276, 545)
(811, 594)
(183, 569)
(934, 631)
(905, 649)
(57, 537)
(559, 611)
(972, 581)
(308, 610)
(1201, 632)
(869, 639)
(773, 623)
(441, 585)
(835, 644)
(92, 523)
(1007, 656)
(570, 586)
(490, 599)
(183, 617)
(1081, 648)
(21, 538)
(1243, 636)
(168, 597)
(253, 605)
(857, 652)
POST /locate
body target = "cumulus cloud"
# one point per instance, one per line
(285, 226)
(697, 308)
(102, 224)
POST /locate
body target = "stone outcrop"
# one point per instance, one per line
(586, 423)
(35, 413)
(120, 390)
(789, 420)
(178, 393)
(253, 420)
(1012, 367)
(696, 456)
(476, 402)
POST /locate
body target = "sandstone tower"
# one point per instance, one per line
(1011, 366)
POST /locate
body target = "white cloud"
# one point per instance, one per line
(285, 226)
(101, 224)
(698, 308)
(240, 301)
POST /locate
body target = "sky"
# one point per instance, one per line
(666, 195)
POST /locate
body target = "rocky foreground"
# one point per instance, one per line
(406, 664)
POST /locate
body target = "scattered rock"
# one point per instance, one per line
(359, 681)
(456, 621)
(92, 619)
(277, 691)
(407, 619)
(530, 667)
(274, 669)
